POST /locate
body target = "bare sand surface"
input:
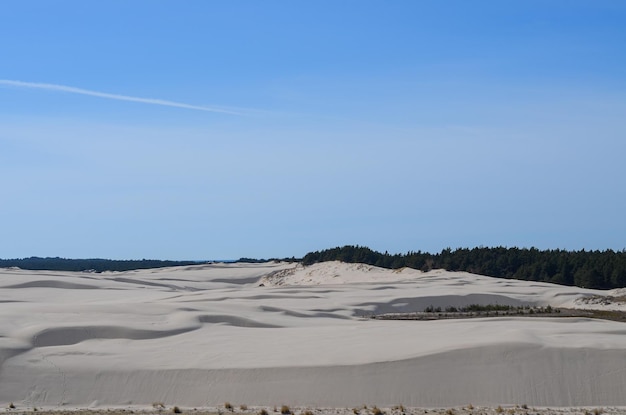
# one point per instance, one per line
(278, 333)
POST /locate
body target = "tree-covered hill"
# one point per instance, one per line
(589, 269)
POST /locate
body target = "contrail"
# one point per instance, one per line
(153, 101)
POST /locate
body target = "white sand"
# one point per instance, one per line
(203, 335)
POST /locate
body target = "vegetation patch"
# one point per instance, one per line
(496, 310)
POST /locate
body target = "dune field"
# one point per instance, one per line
(279, 333)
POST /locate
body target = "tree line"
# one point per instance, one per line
(95, 265)
(588, 269)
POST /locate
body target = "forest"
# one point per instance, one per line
(587, 269)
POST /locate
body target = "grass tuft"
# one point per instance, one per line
(284, 410)
(176, 410)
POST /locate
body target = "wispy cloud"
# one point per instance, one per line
(153, 101)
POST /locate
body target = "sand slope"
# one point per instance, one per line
(206, 334)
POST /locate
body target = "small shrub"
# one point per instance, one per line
(243, 407)
(524, 406)
(470, 407)
(263, 412)
(597, 411)
(284, 410)
(499, 409)
(450, 411)
(377, 411)
(355, 411)
(176, 410)
(308, 412)
(11, 406)
(228, 406)
(399, 408)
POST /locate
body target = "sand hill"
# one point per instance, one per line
(266, 334)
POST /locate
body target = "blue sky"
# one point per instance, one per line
(217, 130)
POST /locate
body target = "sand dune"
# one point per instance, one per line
(266, 334)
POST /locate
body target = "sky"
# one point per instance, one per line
(268, 129)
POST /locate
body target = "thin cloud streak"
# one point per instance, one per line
(80, 91)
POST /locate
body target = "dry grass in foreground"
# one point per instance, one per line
(361, 410)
